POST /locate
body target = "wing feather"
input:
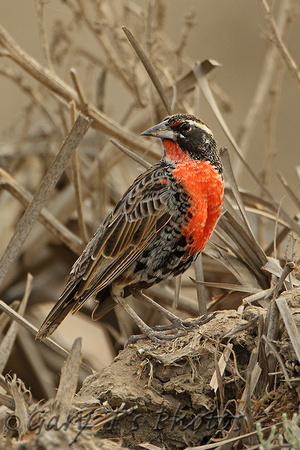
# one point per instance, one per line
(118, 242)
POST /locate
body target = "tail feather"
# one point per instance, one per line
(105, 304)
(70, 302)
(57, 314)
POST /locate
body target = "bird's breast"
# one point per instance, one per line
(204, 186)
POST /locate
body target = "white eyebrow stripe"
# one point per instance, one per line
(200, 125)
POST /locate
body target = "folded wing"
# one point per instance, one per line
(118, 242)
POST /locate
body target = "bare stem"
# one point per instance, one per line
(42, 31)
(78, 188)
(67, 94)
(40, 197)
(279, 43)
(149, 68)
(47, 219)
(263, 86)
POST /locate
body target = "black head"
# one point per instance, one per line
(192, 136)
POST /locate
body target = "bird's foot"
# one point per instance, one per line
(178, 328)
(199, 321)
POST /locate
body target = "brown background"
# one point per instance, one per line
(229, 31)
(232, 32)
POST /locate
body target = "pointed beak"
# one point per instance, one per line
(162, 131)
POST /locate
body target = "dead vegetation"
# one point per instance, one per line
(240, 369)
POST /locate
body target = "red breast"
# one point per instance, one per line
(205, 187)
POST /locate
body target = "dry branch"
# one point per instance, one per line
(40, 197)
(9, 339)
(67, 94)
(263, 87)
(149, 68)
(47, 219)
(280, 45)
(33, 330)
(253, 348)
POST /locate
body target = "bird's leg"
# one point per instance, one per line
(157, 307)
(177, 323)
(152, 334)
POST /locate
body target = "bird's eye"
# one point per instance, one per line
(185, 126)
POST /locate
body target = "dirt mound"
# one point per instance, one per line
(169, 391)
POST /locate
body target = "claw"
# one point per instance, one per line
(161, 333)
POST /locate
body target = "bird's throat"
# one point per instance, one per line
(174, 153)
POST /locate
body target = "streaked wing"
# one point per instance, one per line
(117, 243)
(117, 253)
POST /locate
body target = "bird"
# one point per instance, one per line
(156, 230)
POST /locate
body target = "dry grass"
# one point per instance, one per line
(68, 181)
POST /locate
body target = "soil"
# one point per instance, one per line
(164, 394)
(166, 387)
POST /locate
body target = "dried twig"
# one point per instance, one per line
(290, 325)
(78, 87)
(20, 405)
(68, 380)
(35, 96)
(9, 339)
(177, 292)
(114, 58)
(279, 359)
(33, 330)
(264, 84)
(47, 219)
(278, 41)
(222, 366)
(132, 155)
(42, 31)
(77, 186)
(67, 94)
(149, 68)
(227, 286)
(290, 191)
(31, 214)
(201, 292)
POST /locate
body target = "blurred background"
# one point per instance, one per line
(251, 82)
(233, 33)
